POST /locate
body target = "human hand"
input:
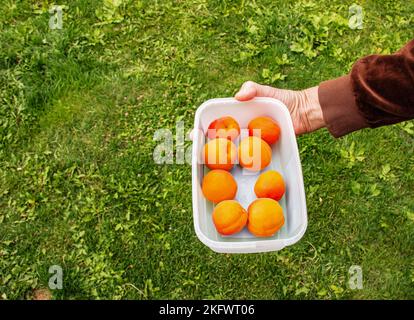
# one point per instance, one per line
(303, 105)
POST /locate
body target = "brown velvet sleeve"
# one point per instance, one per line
(379, 91)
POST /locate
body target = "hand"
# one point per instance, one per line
(304, 107)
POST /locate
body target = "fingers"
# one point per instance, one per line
(247, 91)
(251, 89)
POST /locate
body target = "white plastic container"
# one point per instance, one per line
(285, 159)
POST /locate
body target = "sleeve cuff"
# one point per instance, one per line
(339, 108)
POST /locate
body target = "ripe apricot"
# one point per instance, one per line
(265, 217)
(229, 217)
(269, 130)
(220, 153)
(225, 127)
(270, 184)
(219, 185)
(254, 153)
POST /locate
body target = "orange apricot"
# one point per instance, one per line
(229, 217)
(269, 130)
(270, 184)
(254, 153)
(219, 185)
(220, 153)
(265, 217)
(225, 127)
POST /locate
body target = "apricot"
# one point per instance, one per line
(254, 153)
(265, 217)
(220, 153)
(269, 130)
(270, 184)
(229, 217)
(225, 127)
(219, 185)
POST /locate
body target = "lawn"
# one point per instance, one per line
(79, 107)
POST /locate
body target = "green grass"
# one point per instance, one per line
(79, 187)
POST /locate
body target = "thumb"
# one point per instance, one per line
(251, 89)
